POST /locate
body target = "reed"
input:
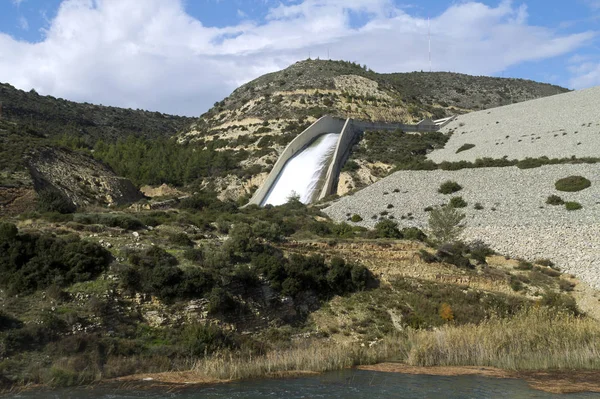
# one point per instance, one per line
(535, 339)
(313, 357)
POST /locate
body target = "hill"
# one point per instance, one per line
(28, 120)
(264, 115)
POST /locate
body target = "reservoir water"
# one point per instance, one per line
(347, 384)
(303, 173)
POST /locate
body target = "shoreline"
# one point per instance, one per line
(555, 381)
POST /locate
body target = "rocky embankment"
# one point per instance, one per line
(513, 218)
(559, 126)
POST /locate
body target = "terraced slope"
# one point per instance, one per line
(559, 126)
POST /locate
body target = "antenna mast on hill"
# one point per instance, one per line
(429, 38)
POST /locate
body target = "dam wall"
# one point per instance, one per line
(326, 124)
(349, 131)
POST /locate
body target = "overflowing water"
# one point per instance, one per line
(303, 173)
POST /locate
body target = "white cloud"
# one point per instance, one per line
(23, 24)
(158, 57)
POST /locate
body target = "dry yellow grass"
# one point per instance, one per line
(537, 339)
(315, 357)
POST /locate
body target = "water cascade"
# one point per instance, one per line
(303, 174)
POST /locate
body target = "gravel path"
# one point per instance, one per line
(515, 220)
(558, 126)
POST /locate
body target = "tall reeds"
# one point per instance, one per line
(535, 339)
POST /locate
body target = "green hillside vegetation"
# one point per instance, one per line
(29, 120)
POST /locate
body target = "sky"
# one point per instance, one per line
(181, 56)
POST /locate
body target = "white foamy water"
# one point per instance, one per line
(301, 174)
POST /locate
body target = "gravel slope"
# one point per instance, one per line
(515, 220)
(558, 126)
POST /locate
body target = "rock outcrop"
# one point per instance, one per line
(80, 178)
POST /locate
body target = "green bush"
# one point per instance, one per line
(413, 233)
(465, 147)
(572, 206)
(478, 206)
(454, 253)
(50, 200)
(457, 202)
(449, 187)
(572, 184)
(356, 218)
(34, 261)
(479, 251)
(350, 166)
(181, 240)
(387, 229)
(554, 200)
(530, 163)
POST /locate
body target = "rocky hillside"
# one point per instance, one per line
(79, 179)
(312, 88)
(264, 115)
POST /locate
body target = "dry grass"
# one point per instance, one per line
(315, 357)
(537, 339)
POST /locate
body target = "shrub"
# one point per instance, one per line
(445, 224)
(350, 166)
(453, 253)
(524, 265)
(479, 251)
(465, 147)
(573, 206)
(565, 285)
(387, 229)
(50, 200)
(572, 183)
(30, 261)
(413, 233)
(356, 218)
(554, 200)
(457, 202)
(530, 163)
(478, 206)
(427, 256)
(220, 301)
(181, 239)
(449, 187)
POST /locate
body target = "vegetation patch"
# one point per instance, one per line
(457, 202)
(572, 184)
(449, 187)
(465, 147)
(554, 200)
(572, 206)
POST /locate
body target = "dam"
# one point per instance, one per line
(303, 174)
(310, 165)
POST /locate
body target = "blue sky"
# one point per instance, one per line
(180, 56)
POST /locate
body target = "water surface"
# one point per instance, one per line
(347, 384)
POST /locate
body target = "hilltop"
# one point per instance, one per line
(261, 117)
(312, 88)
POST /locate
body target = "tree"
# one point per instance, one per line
(445, 224)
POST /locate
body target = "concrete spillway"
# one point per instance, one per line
(310, 165)
(304, 173)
